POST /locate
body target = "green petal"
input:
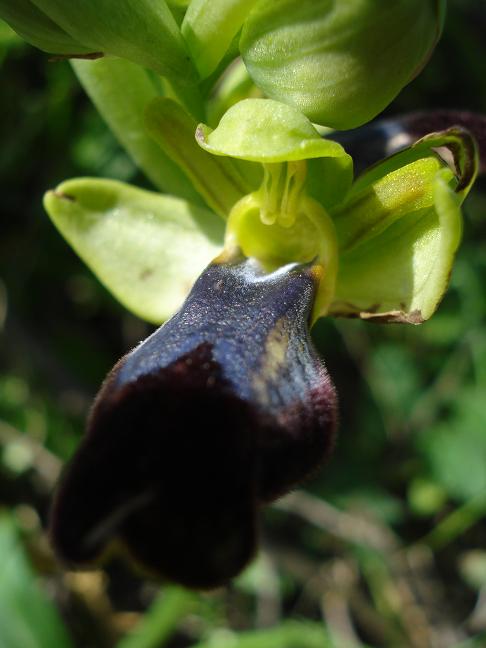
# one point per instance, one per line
(37, 29)
(263, 130)
(400, 227)
(396, 260)
(209, 27)
(147, 249)
(121, 91)
(456, 146)
(217, 180)
(340, 63)
(142, 31)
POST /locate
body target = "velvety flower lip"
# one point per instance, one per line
(223, 408)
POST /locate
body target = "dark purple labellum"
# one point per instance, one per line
(223, 408)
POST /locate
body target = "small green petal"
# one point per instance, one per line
(456, 146)
(263, 130)
(146, 249)
(340, 63)
(209, 27)
(397, 267)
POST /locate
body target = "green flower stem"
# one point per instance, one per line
(216, 179)
(120, 90)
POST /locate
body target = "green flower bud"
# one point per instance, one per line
(340, 63)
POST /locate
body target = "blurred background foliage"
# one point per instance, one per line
(386, 547)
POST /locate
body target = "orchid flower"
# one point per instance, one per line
(229, 399)
(261, 231)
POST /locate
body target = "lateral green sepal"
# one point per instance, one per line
(147, 249)
(399, 230)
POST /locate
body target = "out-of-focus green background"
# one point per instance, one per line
(386, 548)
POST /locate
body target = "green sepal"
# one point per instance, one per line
(459, 149)
(141, 31)
(147, 249)
(266, 131)
(121, 90)
(340, 63)
(398, 234)
(217, 180)
(208, 28)
(39, 30)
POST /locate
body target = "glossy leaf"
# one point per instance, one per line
(340, 63)
(209, 27)
(121, 90)
(38, 29)
(142, 31)
(147, 249)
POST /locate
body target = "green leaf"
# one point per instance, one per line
(37, 29)
(142, 31)
(121, 90)
(209, 27)
(340, 63)
(263, 130)
(219, 181)
(398, 239)
(28, 619)
(147, 249)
